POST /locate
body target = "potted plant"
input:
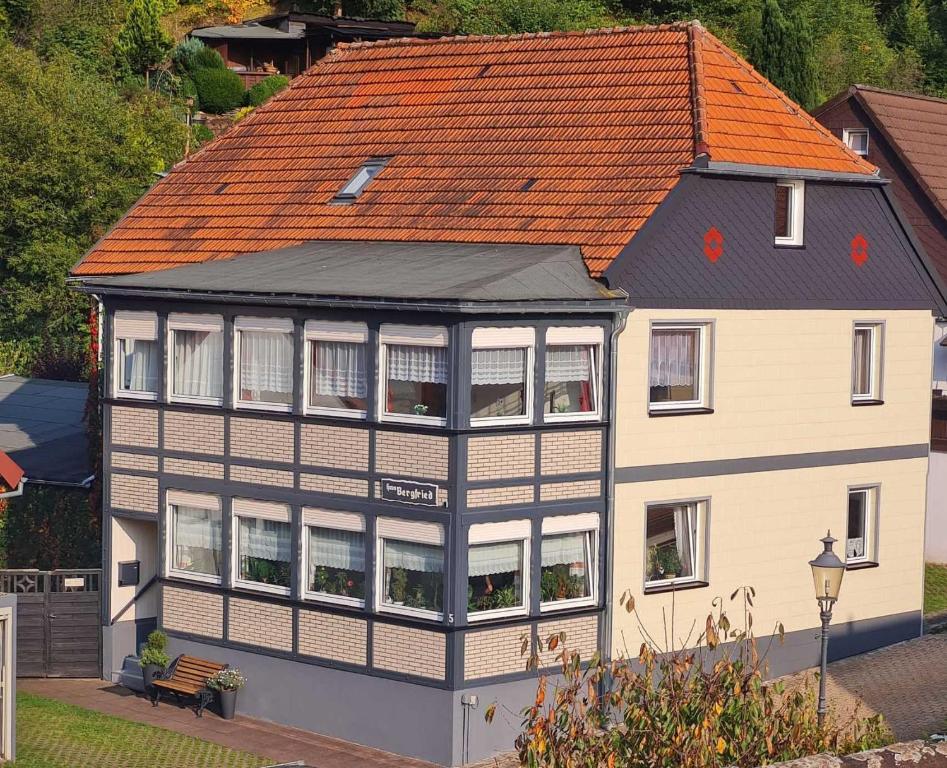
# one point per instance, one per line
(225, 684)
(399, 585)
(669, 562)
(154, 657)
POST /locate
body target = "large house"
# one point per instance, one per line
(905, 135)
(454, 341)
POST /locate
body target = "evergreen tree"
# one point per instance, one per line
(142, 41)
(784, 53)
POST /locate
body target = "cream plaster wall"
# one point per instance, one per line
(134, 540)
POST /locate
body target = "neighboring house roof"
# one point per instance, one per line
(10, 473)
(551, 138)
(916, 128)
(417, 272)
(249, 31)
(42, 429)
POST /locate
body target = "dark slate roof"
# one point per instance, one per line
(248, 31)
(41, 428)
(390, 271)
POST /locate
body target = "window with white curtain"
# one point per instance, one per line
(674, 543)
(264, 362)
(497, 558)
(501, 369)
(263, 536)
(137, 363)
(334, 544)
(866, 362)
(411, 576)
(197, 358)
(195, 541)
(678, 375)
(573, 362)
(337, 368)
(414, 387)
(862, 525)
(568, 557)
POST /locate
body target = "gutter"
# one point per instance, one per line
(772, 171)
(18, 491)
(60, 483)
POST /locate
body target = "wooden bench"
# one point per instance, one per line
(187, 676)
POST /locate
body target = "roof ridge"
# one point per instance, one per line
(903, 94)
(395, 42)
(798, 110)
(695, 34)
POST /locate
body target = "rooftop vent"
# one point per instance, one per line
(356, 185)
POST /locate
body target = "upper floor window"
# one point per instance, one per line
(789, 212)
(501, 375)
(137, 362)
(414, 387)
(337, 368)
(264, 371)
(497, 569)
(334, 553)
(856, 139)
(263, 535)
(862, 525)
(866, 363)
(195, 540)
(573, 373)
(679, 377)
(675, 541)
(197, 358)
(569, 548)
(411, 567)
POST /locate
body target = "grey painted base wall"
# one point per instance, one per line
(935, 529)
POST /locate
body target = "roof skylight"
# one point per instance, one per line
(363, 176)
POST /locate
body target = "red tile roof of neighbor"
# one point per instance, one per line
(564, 138)
(10, 473)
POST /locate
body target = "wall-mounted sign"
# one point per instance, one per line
(408, 492)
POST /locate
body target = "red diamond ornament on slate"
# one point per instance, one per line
(713, 244)
(859, 249)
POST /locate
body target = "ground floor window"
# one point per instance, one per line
(862, 525)
(567, 575)
(264, 545)
(335, 553)
(411, 556)
(496, 569)
(195, 535)
(675, 542)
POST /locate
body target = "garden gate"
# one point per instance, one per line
(58, 621)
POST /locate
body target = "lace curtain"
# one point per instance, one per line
(412, 556)
(568, 363)
(199, 528)
(140, 365)
(198, 363)
(338, 369)
(337, 549)
(498, 557)
(498, 366)
(407, 362)
(266, 362)
(685, 534)
(673, 357)
(265, 539)
(564, 549)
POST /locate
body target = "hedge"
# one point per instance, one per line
(219, 90)
(265, 89)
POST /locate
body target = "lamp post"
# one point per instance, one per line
(827, 572)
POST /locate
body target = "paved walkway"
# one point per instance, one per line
(269, 740)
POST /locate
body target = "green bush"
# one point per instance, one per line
(201, 134)
(50, 527)
(155, 650)
(219, 90)
(263, 90)
(205, 58)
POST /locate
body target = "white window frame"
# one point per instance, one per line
(847, 133)
(511, 531)
(261, 325)
(699, 545)
(339, 521)
(191, 322)
(409, 335)
(206, 501)
(587, 523)
(872, 494)
(704, 366)
(399, 529)
(876, 363)
(135, 326)
(585, 336)
(260, 510)
(506, 338)
(353, 333)
(797, 213)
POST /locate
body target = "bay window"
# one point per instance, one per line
(334, 553)
(414, 384)
(679, 368)
(573, 363)
(263, 536)
(137, 362)
(674, 543)
(197, 358)
(337, 368)
(501, 375)
(568, 557)
(410, 571)
(497, 568)
(866, 363)
(195, 540)
(264, 362)
(862, 525)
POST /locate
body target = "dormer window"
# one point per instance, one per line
(857, 140)
(789, 212)
(363, 176)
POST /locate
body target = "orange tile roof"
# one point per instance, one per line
(10, 473)
(551, 138)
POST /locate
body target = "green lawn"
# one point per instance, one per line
(935, 589)
(51, 734)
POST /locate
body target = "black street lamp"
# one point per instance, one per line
(827, 572)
